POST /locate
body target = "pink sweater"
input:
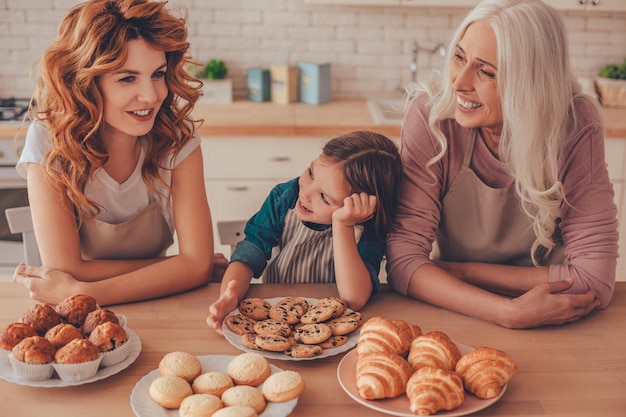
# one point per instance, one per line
(588, 219)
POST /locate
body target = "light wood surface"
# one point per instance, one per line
(576, 370)
(244, 117)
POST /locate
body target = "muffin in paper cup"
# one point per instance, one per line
(122, 319)
(4, 356)
(77, 371)
(117, 355)
(31, 372)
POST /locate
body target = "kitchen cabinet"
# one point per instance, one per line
(589, 5)
(570, 5)
(615, 149)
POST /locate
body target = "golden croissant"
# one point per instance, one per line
(412, 330)
(379, 334)
(485, 371)
(433, 349)
(381, 375)
(432, 389)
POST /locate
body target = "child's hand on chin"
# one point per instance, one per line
(357, 208)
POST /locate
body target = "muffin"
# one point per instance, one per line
(41, 317)
(11, 335)
(32, 358)
(112, 341)
(61, 334)
(97, 317)
(77, 360)
(74, 309)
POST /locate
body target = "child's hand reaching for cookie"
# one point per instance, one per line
(357, 208)
(227, 302)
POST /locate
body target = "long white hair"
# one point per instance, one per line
(537, 91)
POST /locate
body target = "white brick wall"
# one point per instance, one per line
(369, 48)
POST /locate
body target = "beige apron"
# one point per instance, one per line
(143, 236)
(484, 224)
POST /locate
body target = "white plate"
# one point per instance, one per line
(6, 372)
(235, 339)
(346, 373)
(144, 406)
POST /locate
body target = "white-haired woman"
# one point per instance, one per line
(504, 169)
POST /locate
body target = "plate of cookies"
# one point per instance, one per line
(293, 328)
(73, 343)
(242, 385)
(406, 372)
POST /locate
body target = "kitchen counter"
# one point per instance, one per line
(248, 118)
(575, 370)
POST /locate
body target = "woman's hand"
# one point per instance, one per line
(227, 302)
(357, 208)
(47, 285)
(545, 304)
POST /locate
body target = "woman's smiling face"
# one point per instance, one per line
(133, 94)
(474, 78)
(322, 191)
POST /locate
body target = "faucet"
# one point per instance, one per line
(440, 49)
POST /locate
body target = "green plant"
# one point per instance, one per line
(617, 72)
(215, 69)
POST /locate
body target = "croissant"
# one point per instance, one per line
(411, 330)
(379, 334)
(485, 371)
(432, 389)
(381, 375)
(433, 349)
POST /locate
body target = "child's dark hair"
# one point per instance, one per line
(371, 164)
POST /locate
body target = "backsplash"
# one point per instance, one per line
(369, 47)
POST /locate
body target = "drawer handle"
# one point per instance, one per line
(280, 159)
(237, 188)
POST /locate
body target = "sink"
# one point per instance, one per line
(387, 111)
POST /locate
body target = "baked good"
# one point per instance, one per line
(169, 391)
(244, 395)
(433, 349)
(323, 309)
(61, 334)
(41, 317)
(312, 334)
(271, 342)
(248, 341)
(283, 386)
(235, 411)
(255, 308)
(74, 309)
(346, 323)
(334, 341)
(485, 371)
(432, 389)
(289, 309)
(381, 374)
(271, 326)
(181, 364)
(97, 317)
(108, 336)
(14, 333)
(249, 368)
(240, 324)
(381, 334)
(212, 382)
(77, 351)
(34, 350)
(199, 405)
(304, 351)
(411, 330)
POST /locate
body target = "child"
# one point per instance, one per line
(330, 225)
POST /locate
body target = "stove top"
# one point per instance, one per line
(12, 109)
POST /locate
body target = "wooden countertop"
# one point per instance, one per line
(576, 370)
(245, 117)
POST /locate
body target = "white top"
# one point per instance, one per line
(118, 202)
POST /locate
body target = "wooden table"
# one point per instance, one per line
(572, 370)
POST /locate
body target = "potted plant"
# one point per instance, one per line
(216, 88)
(611, 84)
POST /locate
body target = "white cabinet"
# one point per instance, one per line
(589, 5)
(615, 156)
(240, 171)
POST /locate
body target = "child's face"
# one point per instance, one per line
(322, 191)
(133, 94)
